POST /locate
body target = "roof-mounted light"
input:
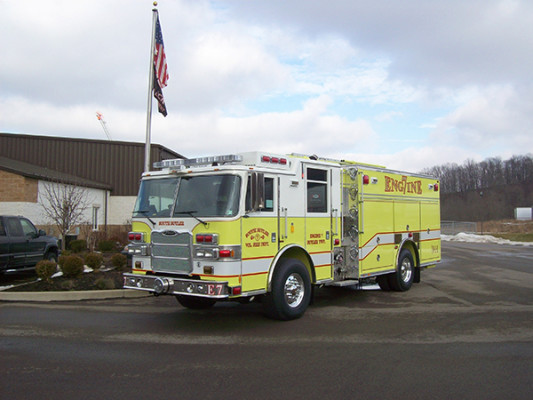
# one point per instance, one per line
(274, 160)
(200, 161)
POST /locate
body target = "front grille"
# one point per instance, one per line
(172, 251)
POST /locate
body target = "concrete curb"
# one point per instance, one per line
(71, 296)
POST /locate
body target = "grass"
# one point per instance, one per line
(515, 237)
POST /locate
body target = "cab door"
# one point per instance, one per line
(319, 216)
(260, 234)
(35, 244)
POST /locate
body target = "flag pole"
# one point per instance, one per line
(150, 89)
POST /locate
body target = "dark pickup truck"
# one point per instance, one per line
(22, 245)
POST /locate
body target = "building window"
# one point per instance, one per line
(95, 218)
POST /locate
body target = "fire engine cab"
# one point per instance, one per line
(273, 227)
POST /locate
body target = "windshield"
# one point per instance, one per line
(197, 196)
(156, 197)
(208, 196)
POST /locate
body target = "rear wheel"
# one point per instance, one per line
(195, 303)
(402, 279)
(291, 291)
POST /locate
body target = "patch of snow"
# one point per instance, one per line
(86, 270)
(473, 238)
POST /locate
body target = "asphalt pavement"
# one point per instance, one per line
(466, 331)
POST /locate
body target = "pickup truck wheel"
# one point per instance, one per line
(51, 256)
(291, 291)
(402, 279)
(195, 303)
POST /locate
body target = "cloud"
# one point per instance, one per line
(412, 158)
(401, 83)
(222, 68)
(309, 130)
(488, 120)
(452, 43)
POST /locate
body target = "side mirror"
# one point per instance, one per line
(41, 233)
(257, 182)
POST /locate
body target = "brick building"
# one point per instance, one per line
(108, 171)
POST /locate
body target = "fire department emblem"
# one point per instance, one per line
(257, 237)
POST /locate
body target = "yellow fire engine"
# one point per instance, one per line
(272, 227)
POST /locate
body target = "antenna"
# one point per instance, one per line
(100, 118)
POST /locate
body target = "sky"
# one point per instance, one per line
(407, 84)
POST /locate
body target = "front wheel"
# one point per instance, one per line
(383, 282)
(402, 279)
(291, 291)
(195, 303)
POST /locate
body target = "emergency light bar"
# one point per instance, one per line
(189, 162)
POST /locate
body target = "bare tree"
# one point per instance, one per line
(488, 173)
(64, 205)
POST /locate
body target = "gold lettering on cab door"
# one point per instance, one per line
(316, 238)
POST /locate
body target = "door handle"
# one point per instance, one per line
(285, 211)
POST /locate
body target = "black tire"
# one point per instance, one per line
(195, 303)
(383, 282)
(291, 291)
(402, 279)
(51, 256)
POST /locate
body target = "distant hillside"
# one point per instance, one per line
(487, 204)
(484, 191)
(492, 172)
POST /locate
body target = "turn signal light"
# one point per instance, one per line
(226, 253)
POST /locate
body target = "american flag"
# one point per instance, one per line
(158, 94)
(160, 60)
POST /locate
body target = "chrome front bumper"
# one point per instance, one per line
(160, 285)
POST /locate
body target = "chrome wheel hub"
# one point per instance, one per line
(294, 290)
(406, 270)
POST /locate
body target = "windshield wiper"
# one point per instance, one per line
(191, 213)
(145, 213)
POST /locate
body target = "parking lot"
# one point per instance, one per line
(466, 331)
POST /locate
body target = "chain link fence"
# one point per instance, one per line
(454, 227)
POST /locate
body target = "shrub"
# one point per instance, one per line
(62, 257)
(94, 260)
(72, 266)
(45, 269)
(67, 284)
(77, 246)
(119, 261)
(120, 240)
(104, 283)
(106, 246)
